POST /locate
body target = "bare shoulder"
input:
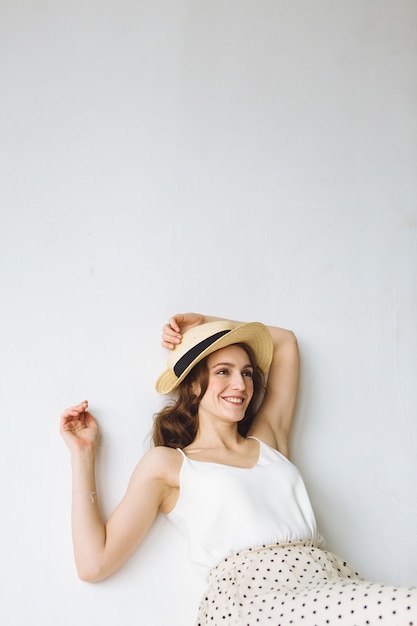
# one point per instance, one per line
(267, 435)
(161, 463)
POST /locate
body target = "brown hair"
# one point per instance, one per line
(176, 424)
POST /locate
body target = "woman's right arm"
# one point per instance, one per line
(101, 548)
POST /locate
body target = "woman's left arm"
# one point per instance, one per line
(274, 418)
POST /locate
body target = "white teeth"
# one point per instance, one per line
(235, 400)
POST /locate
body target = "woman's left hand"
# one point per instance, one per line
(173, 331)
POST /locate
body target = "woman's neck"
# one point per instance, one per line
(212, 437)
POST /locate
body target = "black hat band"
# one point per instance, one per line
(187, 358)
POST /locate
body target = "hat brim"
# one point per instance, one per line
(253, 334)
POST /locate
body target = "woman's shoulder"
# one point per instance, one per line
(163, 463)
(263, 433)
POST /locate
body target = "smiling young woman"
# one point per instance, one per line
(220, 470)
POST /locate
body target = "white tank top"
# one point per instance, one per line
(223, 509)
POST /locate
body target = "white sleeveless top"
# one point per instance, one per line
(223, 509)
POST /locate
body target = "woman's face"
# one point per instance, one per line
(230, 384)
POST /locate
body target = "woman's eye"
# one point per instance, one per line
(223, 372)
(248, 373)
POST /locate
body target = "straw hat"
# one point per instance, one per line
(200, 341)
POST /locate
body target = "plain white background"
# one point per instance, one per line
(250, 159)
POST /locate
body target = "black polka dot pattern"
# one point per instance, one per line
(299, 583)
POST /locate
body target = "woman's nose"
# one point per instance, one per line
(238, 381)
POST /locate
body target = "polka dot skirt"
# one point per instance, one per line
(299, 584)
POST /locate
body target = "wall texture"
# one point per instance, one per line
(255, 160)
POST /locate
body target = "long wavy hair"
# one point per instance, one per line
(176, 424)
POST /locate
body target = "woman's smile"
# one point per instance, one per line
(233, 399)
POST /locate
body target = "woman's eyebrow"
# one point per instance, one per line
(224, 363)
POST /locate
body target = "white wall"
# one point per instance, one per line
(255, 160)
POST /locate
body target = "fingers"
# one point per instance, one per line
(174, 323)
(75, 411)
(78, 428)
(176, 326)
(170, 337)
(171, 333)
(74, 414)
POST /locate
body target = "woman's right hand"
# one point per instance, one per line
(78, 427)
(177, 325)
